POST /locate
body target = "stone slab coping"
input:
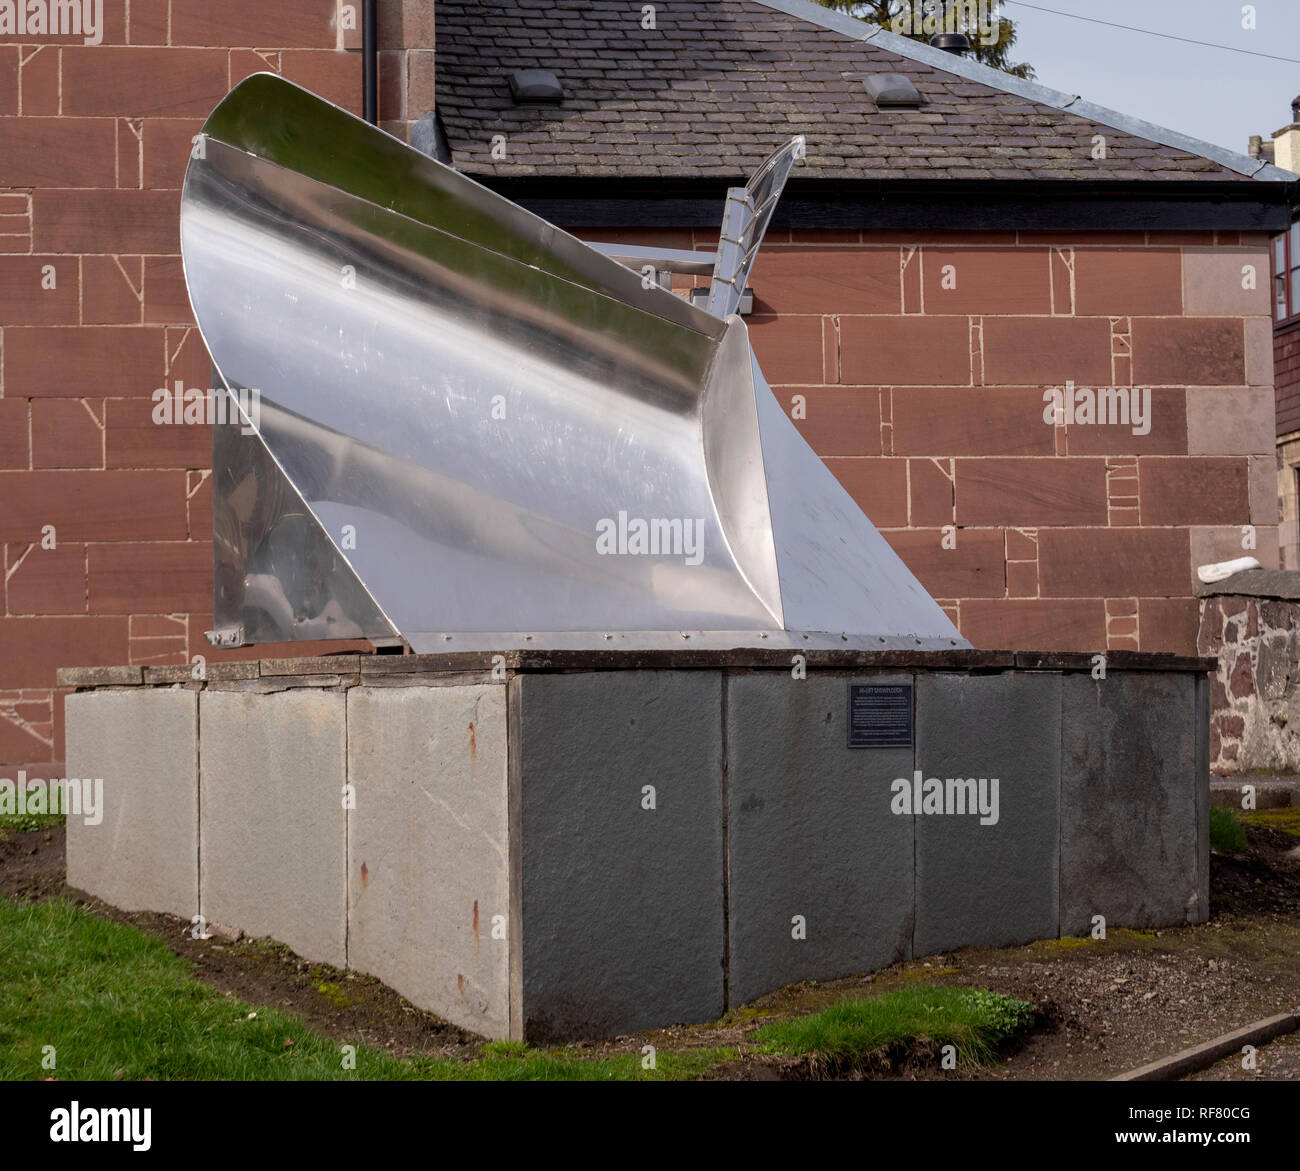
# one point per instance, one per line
(358, 667)
(1271, 792)
(1283, 584)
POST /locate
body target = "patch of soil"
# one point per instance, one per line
(1266, 880)
(343, 1006)
(33, 865)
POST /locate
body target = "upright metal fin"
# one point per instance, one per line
(747, 213)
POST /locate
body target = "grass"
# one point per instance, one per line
(1285, 818)
(1066, 943)
(857, 1032)
(1227, 834)
(20, 823)
(115, 1003)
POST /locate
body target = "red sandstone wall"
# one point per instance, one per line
(926, 401)
(928, 405)
(94, 140)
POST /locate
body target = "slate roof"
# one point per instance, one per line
(719, 84)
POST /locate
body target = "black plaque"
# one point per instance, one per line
(880, 715)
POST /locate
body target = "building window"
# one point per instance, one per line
(1286, 275)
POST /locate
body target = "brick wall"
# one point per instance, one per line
(927, 403)
(1286, 378)
(1286, 368)
(94, 140)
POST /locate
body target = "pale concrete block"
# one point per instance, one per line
(1212, 282)
(811, 834)
(418, 27)
(272, 823)
(1213, 543)
(989, 884)
(143, 855)
(404, 24)
(427, 848)
(1236, 420)
(421, 95)
(1264, 507)
(1259, 351)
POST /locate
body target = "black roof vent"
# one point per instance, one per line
(535, 86)
(891, 89)
(955, 43)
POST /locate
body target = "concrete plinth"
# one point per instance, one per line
(1132, 804)
(143, 744)
(427, 848)
(272, 823)
(560, 844)
(821, 876)
(979, 880)
(619, 781)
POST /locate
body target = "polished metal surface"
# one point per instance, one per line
(277, 576)
(664, 259)
(747, 213)
(477, 431)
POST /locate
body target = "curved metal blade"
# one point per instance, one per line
(508, 437)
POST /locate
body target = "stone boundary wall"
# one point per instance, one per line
(1251, 622)
(547, 845)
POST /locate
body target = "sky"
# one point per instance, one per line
(1210, 93)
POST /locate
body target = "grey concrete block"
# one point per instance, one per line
(989, 884)
(622, 906)
(1201, 796)
(1132, 846)
(272, 824)
(427, 848)
(811, 834)
(143, 855)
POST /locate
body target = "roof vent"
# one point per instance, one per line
(535, 86)
(892, 89)
(955, 43)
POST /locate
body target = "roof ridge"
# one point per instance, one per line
(1075, 104)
